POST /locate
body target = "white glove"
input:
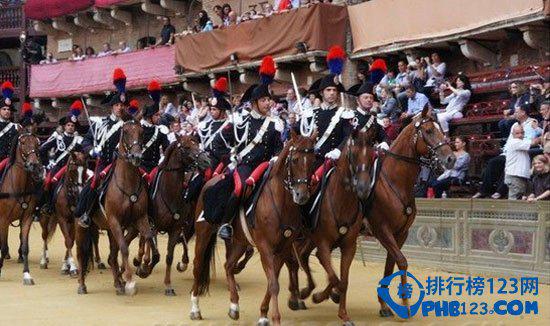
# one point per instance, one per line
(383, 145)
(333, 154)
(273, 159)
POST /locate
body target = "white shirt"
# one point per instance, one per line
(104, 53)
(436, 80)
(456, 101)
(518, 162)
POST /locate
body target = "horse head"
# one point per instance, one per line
(300, 165)
(190, 153)
(27, 154)
(359, 158)
(430, 141)
(131, 142)
(76, 168)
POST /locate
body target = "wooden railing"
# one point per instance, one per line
(11, 16)
(12, 74)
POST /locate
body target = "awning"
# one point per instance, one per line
(320, 26)
(380, 23)
(108, 3)
(94, 75)
(43, 9)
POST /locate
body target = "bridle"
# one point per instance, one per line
(194, 164)
(128, 147)
(25, 156)
(290, 182)
(355, 169)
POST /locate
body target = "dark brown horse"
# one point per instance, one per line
(19, 190)
(126, 201)
(277, 224)
(170, 212)
(68, 190)
(340, 218)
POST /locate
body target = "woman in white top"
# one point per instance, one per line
(456, 101)
(436, 71)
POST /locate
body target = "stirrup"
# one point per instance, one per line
(84, 221)
(226, 231)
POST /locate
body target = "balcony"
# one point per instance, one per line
(12, 74)
(11, 20)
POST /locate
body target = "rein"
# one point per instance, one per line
(289, 181)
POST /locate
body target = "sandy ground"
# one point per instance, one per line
(54, 301)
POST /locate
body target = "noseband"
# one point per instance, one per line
(354, 169)
(290, 181)
(25, 155)
(127, 147)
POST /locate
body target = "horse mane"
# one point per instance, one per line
(283, 154)
(13, 149)
(167, 155)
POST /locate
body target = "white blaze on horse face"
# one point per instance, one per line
(194, 304)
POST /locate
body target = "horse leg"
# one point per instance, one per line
(347, 250)
(44, 222)
(272, 266)
(100, 264)
(304, 255)
(323, 254)
(242, 263)
(172, 240)
(232, 257)
(184, 263)
(19, 251)
(4, 228)
(294, 302)
(146, 232)
(69, 264)
(26, 227)
(112, 260)
(82, 256)
(116, 229)
(205, 243)
(131, 234)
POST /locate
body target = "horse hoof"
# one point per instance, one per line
(101, 266)
(195, 315)
(170, 292)
(335, 297)
(302, 305)
(47, 260)
(130, 288)
(141, 272)
(317, 298)
(82, 290)
(43, 265)
(263, 322)
(385, 313)
(64, 272)
(293, 305)
(181, 267)
(120, 290)
(73, 273)
(136, 262)
(305, 293)
(349, 323)
(233, 314)
(28, 281)
(20, 260)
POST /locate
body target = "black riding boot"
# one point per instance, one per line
(43, 205)
(84, 206)
(231, 209)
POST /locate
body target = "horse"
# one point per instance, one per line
(340, 217)
(170, 213)
(18, 187)
(66, 196)
(126, 202)
(277, 224)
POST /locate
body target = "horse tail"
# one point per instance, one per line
(88, 248)
(51, 227)
(208, 258)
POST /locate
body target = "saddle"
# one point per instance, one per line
(251, 197)
(310, 211)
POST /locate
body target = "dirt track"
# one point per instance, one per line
(53, 300)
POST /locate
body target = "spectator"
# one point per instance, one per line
(90, 52)
(292, 101)
(205, 24)
(390, 129)
(520, 96)
(77, 54)
(402, 81)
(106, 50)
(219, 12)
(229, 16)
(267, 10)
(457, 174)
(387, 81)
(203, 112)
(545, 113)
(388, 105)
(456, 101)
(167, 32)
(436, 72)
(32, 51)
(516, 171)
(540, 179)
(415, 104)
(175, 130)
(123, 48)
(418, 74)
(49, 59)
(167, 108)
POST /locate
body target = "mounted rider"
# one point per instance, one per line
(101, 142)
(8, 129)
(56, 150)
(255, 139)
(364, 118)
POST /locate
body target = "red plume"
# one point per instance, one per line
(118, 74)
(221, 85)
(336, 52)
(26, 107)
(267, 70)
(335, 59)
(153, 86)
(379, 64)
(134, 103)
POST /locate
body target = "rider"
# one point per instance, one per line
(363, 120)
(154, 137)
(101, 142)
(256, 139)
(55, 151)
(8, 129)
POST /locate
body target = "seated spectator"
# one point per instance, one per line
(90, 52)
(388, 105)
(540, 179)
(244, 17)
(457, 174)
(415, 104)
(204, 22)
(229, 16)
(519, 97)
(402, 81)
(391, 130)
(219, 12)
(49, 59)
(77, 55)
(203, 112)
(106, 50)
(123, 48)
(418, 74)
(516, 171)
(167, 108)
(436, 70)
(456, 101)
(545, 113)
(175, 130)
(387, 81)
(167, 32)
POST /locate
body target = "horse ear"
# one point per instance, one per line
(426, 111)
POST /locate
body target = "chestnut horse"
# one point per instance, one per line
(126, 201)
(340, 218)
(170, 212)
(68, 190)
(277, 224)
(19, 191)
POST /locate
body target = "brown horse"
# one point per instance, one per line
(277, 224)
(340, 215)
(170, 212)
(18, 190)
(67, 194)
(126, 201)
